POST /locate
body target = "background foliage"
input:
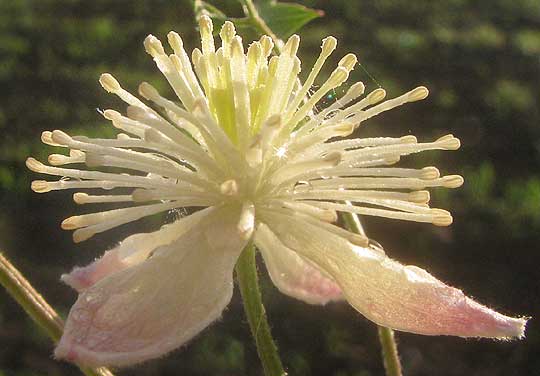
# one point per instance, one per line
(481, 61)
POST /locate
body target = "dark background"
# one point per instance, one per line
(481, 61)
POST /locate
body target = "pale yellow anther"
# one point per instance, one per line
(348, 61)
(153, 136)
(356, 89)
(344, 129)
(60, 137)
(109, 83)
(452, 181)
(46, 138)
(57, 159)
(409, 139)
(82, 235)
(227, 32)
(153, 46)
(35, 165)
(418, 94)
(229, 188)
(71, 223)
(376, 96)
(419, 197)
(338, 76)
(40, 186)
(254, 52)
(449, 142)
(291, 47)
(237, 49)
(112, 115)
(329, 44)
(80, 198)
(148, 92)
(175, 41)
(430, 173)
(441, 217)
(206, 26)
(196, 56)
(333, 158)
(267, 45)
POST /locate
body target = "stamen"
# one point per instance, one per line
(175, 41)
(83, 198)
(328, 46)
(75, 156)
(438, 217)
(289, 172)
(90, 224)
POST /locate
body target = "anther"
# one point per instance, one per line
(267, 45)
(338, 76)
(329, 44)
(449, 142)
(418, 94)
(61, 137)
(419, 197)
(148, 92)
(80, 198)
(40, 186)
(441, 217)
(348, 61)
(227, 32)
(410, 139)
(175, 41)
(356, 89)
(376, 96)
(291, 47)
(35, 165)
(430, 173)
(452, 181)
(153, 46)
(109, 83)
(112, 115)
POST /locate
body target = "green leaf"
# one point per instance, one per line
(285, 18)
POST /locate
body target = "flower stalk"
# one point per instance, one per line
(36, 307)
(248, 280)
(392, 364)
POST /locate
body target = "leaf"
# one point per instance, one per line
(285, 18)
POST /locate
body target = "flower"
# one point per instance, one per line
(247, 148)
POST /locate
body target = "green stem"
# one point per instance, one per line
(248, 280)
(392, 365)
(36, 307)
(390, 355)
(258, 22)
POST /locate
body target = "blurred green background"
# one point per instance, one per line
(481, 61)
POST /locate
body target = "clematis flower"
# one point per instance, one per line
(244, 147)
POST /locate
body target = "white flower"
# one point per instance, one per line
(247, 145)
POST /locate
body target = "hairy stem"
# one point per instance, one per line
(390, 355)
(248, 280)
(36, 307)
